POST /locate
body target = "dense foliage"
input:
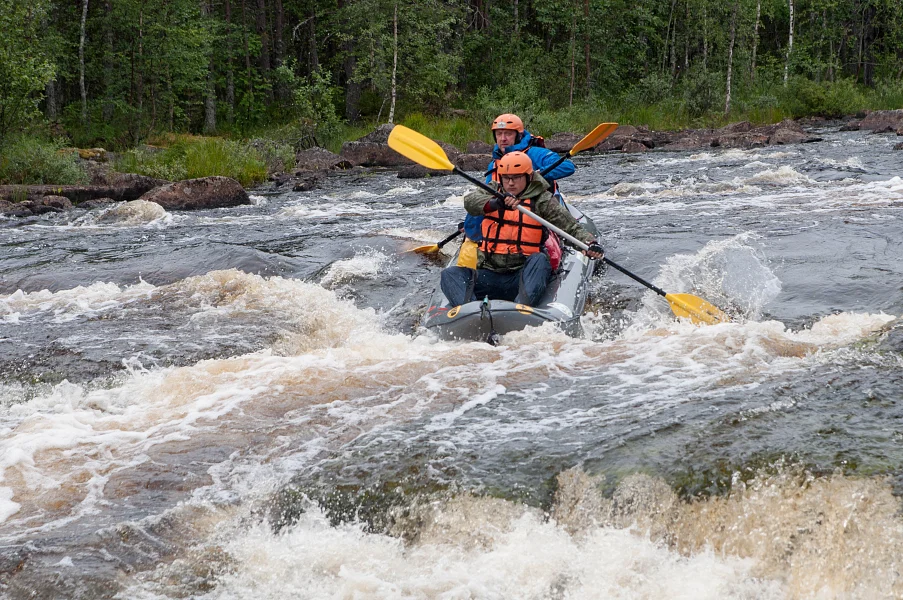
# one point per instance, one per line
(113, 72)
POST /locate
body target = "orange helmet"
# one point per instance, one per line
(514, 163)
(508, 121)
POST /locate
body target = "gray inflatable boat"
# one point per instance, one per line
(486, 320)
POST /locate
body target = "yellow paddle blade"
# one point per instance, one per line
(697, 309)
(419, 148)
(431, 249)
(594, 137)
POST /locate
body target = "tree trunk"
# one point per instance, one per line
(789, 45)
(279, 27)
(249, 82)
(730, 59)
(264, 58)
(516, 27)
(349, 66)
(752, 68)
(81, 64)
(139, 84)
(394, 62)
(108, 62)
(687, 39)
(705, 38)
(230, 75)
(573, 52)
(668, 35)
(586, 53)
(313, 58)
(53, 107)
(210, 99)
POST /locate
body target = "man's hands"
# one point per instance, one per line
(595, 250)
(511, 201)
(498, 205)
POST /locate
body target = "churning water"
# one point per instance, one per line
(230, 403)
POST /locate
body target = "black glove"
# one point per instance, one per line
(461, 226)
(597, 248)
(495, 205)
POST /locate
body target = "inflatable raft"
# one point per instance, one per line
(487, 319)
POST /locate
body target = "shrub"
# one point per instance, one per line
(703, 92)
(804, 97)
(190, 157)
(32, 161)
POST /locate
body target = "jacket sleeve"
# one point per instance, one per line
(543, 158)
(549, 209)
(475, 201)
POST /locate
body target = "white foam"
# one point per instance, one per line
(66, 305)
(516, 554)
(365, 264)
(784, 175)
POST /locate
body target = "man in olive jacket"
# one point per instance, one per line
(511, 263)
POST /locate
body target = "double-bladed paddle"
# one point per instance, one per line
(428, 153)
(434, 248)
(590, 140)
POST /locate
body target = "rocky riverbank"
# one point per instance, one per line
(314, 165)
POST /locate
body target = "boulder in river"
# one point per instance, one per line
(883, 121)
(320, 159)
(132, 213)
(419, 172)
(198, 194)
(373, 150)
(473, 162)
(479, 147)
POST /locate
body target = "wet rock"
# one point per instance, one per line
(419, 172)
(883, 121)
(96, 203)
(372, 150)
(380, 135)
(15, 209)
(741, 127)
(308, 181)
(320, 159)
(122, 187)
(691, 140)
(899, 146)
(479, 147)
(473, 162)
(787, 136)
(51, 204)
(741, 140)
(562, 142)
(198, 194)
(634, 146)
(132, 213)
(851, 126)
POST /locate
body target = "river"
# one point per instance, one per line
(231, 404)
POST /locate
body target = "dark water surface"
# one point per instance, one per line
(230, 403)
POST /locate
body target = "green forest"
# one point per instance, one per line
(117, 73)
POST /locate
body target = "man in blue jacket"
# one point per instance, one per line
(510, 136)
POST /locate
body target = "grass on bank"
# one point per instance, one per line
(179, 156)
(30, 160)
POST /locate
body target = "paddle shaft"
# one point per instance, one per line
(563, 234)
(448, 239)
(554, 166)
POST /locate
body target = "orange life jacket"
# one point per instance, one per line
(512, 232)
